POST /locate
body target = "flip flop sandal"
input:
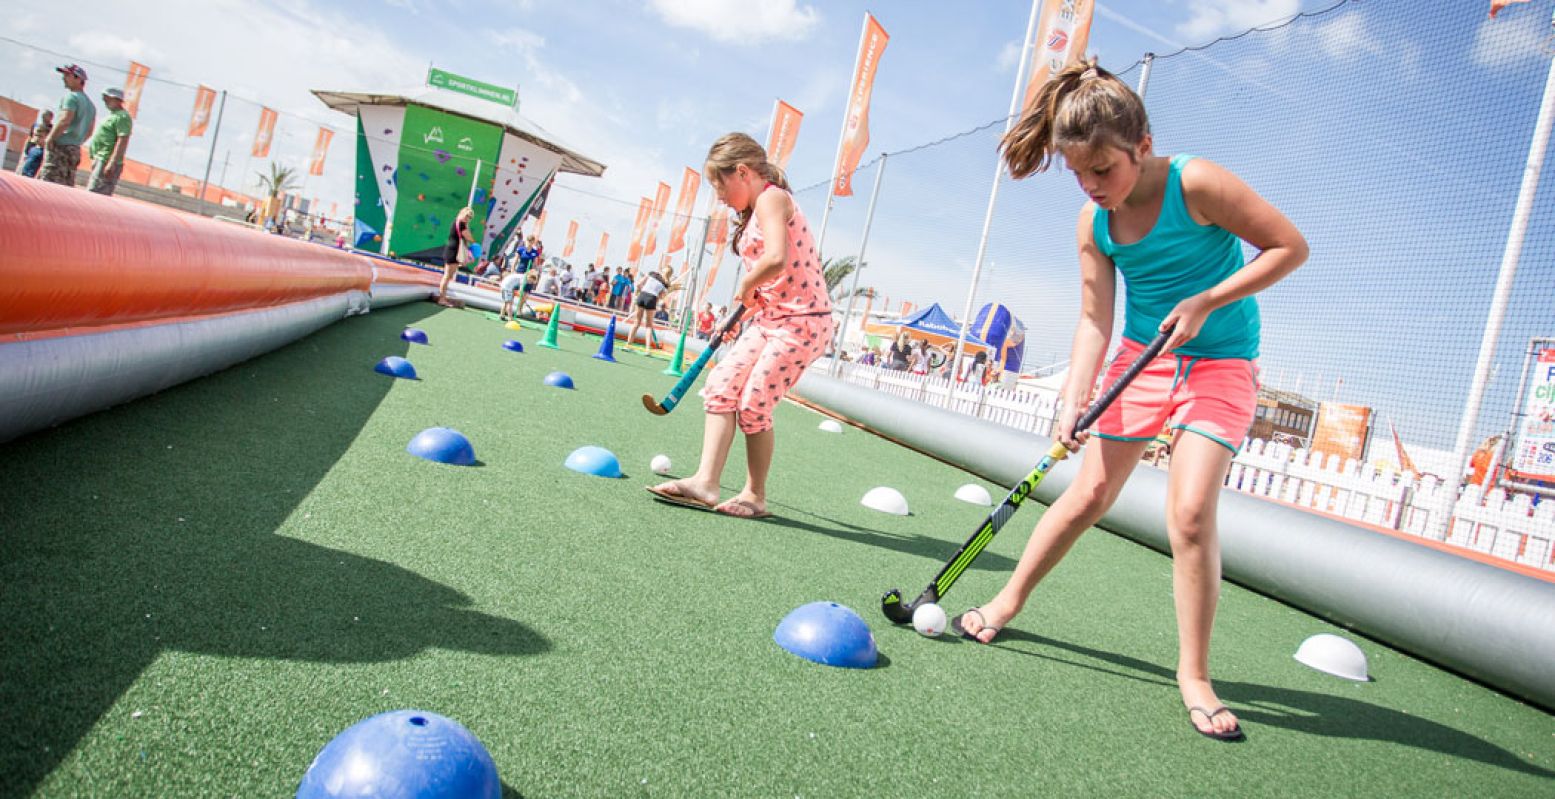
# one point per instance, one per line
(955, 624)
(677, 498)
(752, 513)
(1233, 734)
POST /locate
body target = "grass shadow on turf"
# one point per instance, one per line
(1307, 712)
(151, 528)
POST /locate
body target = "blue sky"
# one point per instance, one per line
(1394, 137)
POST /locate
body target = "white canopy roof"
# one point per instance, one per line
(465, 106)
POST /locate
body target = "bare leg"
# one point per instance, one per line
(1193, 490)
(717, 437)
(448, 276)
(1105, 467)
(758, 460)
(637, 318)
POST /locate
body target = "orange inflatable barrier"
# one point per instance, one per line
(75, 262)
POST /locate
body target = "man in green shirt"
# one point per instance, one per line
(109, 144)
(62, 148)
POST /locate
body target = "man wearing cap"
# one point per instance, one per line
(62, 148)
(109, 143)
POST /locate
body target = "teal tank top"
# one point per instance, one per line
(1177, 259)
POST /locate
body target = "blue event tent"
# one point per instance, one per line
(931, 324)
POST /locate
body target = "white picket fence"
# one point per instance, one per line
(1032, 411)
(1509, 528)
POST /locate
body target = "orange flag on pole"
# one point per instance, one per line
(1497, 5)
(320, 151)
(690, 184)
(572, 238)
(1062, 34)
(855, 124)
(264, 133)
(540, 224)
(661, 200)
(134, 83)
(204, 98)
(604, 243)
(635, 249)
(783, 134)
(718, 235)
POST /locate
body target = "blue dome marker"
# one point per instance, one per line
(828, 633)
(597, 461)
(403, 754)
(395, 366)
(444, 445)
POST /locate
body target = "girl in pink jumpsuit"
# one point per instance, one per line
(789, 325)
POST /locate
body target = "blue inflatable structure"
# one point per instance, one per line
(997, 325)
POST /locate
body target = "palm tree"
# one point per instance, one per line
(836, 270)
(281, 179)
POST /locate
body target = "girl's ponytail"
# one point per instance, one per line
(1082, 105)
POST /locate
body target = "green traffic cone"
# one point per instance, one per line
(549, 339)
(678, 362)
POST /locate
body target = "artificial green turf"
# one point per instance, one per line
(201, 588)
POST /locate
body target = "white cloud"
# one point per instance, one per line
(1210, 19)
(1498, 44)
(108, 46)
(517, 39)
(1346, 37)
(737, 21)
(1009, 56)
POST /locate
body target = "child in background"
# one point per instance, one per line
(510, 283)
(791, 326)
(1174, 228)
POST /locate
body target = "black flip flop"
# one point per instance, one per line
(955, 624)
(1233, 734)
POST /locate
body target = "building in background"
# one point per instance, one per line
(423, 153)
(1285, 417)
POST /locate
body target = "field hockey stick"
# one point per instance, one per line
(901, 612)
(684, 384)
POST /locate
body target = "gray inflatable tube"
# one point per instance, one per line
(49, 381)
(1493, 625)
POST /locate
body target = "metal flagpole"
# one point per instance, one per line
(475, 182)
(689, 295)
(993, 195)
(209, 159)
(1509, 259)
(869, 218)
(831, 183)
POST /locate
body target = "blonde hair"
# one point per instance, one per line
(727, 154)
(466, 212)
(1082, 106)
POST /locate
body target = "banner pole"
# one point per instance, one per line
(842, 132)
(1503, 292)
(211, 157)
(869, 219)
(993, 194)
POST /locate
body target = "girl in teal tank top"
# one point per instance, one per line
(1174, 229)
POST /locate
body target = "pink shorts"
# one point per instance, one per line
(1214, 397)
(761, 365)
